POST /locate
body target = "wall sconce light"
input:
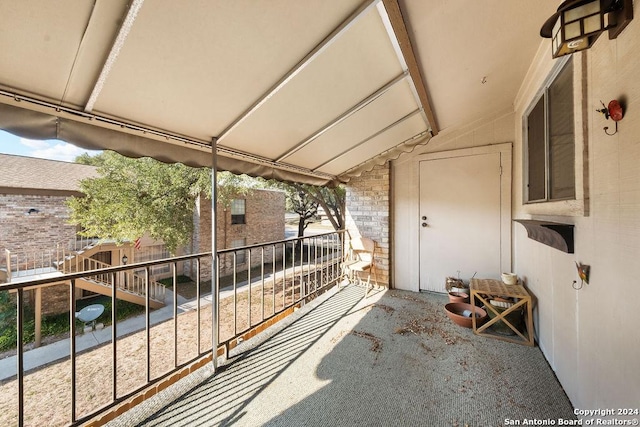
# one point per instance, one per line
(613, 111)
(125, 258)
(577, 24)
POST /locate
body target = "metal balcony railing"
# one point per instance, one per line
(273, 278)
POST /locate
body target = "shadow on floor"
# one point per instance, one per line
(391, 359)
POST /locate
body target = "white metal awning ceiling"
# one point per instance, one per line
(314, 91)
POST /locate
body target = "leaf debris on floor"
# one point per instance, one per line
(376, 343)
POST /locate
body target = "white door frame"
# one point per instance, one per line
(505, 150)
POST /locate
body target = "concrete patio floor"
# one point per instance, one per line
(393, 358)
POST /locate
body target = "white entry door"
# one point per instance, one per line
(460, 218)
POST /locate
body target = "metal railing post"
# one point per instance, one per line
(262, 279)
(174, 266)
(20, 354)
(215, 288)
(72, 341)
(273, 278)
(308, 266)
(114, 338)
(235, 295)
(249, 285)
(215, 303)
(147, 321)
(284, 275)
(198, 314)
(301, 243)
(293, 272)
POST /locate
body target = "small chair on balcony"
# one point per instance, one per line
(359, 264)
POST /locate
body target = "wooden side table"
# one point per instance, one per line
(483, 288)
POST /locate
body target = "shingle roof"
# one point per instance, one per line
(18, 172)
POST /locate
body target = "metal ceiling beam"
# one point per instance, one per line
(317, 51)
(77, 55)
(127, 23)
(400, 39)
(369, 138)
(254, 158)
(398, 51)
(368, 100)
(33, 104)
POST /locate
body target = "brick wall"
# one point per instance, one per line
(55, 299)
(367, 214)
(264, 222)
(38, 232)
(32, 237)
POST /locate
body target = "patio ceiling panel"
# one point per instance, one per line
(283, 89)
(354, 66)
(194, 69)
(409, 130)
(384, 111)
(30, 37)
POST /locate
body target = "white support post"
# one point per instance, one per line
(214, 250)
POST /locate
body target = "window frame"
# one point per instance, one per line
(578, 206)
(238, 218)
(543, 95)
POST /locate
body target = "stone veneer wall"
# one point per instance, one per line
(367, 214)
(264, 222)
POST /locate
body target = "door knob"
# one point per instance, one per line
(424, 224)
(424, 218)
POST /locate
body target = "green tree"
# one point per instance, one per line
(133, 197)
(231, 186)
(305, 199)
(332, 201)
(87, 159)
(299, 202)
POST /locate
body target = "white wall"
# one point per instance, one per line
(405, 194)
(590, 337)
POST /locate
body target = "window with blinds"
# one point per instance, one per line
(550, 141)
(238, 211)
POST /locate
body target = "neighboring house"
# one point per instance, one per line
(35, 230)
(34, 219)
(33, 214)
(257, 217)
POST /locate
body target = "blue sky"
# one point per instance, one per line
(50, 149)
